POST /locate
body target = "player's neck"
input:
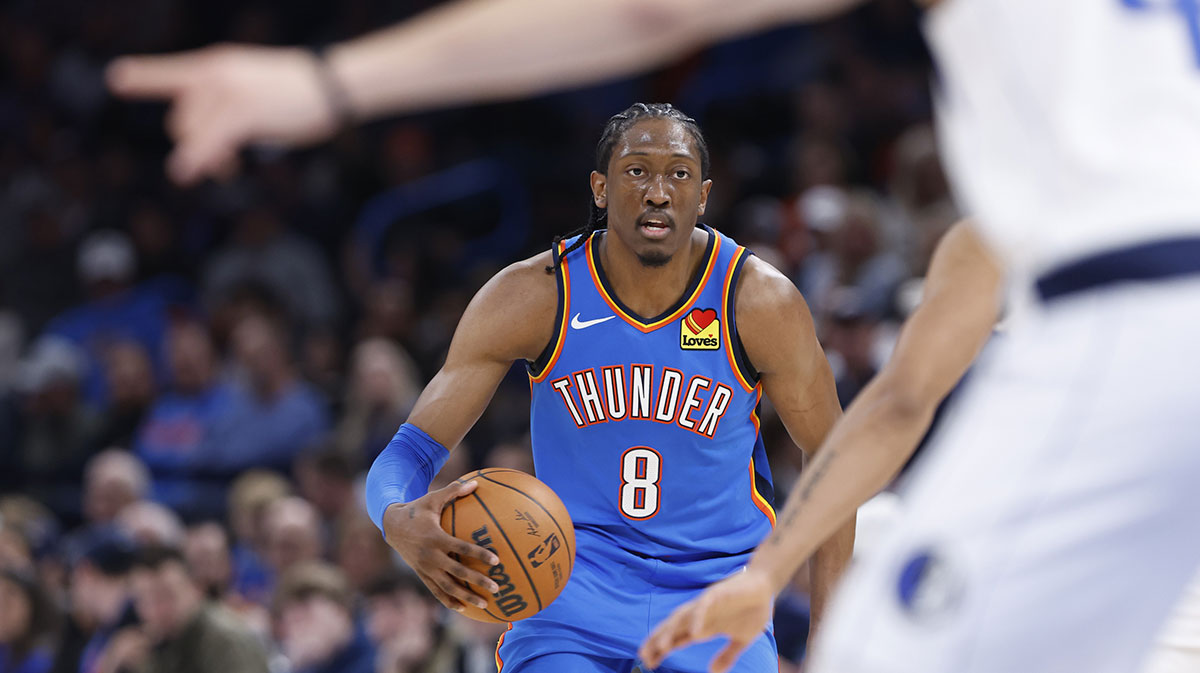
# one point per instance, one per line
(651, 290)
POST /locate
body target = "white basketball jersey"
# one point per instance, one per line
(1182, 629)
(1070, 127)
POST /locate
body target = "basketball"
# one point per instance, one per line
(526, 526)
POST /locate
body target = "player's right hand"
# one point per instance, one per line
(226, 96)
(737, 607)
(414, 529)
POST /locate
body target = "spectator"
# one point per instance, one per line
(314, 612)
(322, 365)
(389, 312)
(187, 634)
(179, 430)
(15, 550)
(210, 561)
(360, 551)
(101, 602)
(384, 384)
(863, 261)
(512, 456)
(293, 532)
(132, 387)
(819, 213)
(403, 620)
(325, 477)
(113, 479)
(273, 413)
(206, 551)
(115, 310)
(59, 427)
(850, 342)
(149, 523)
(35, 523)
(250, 498)
(26, 617)
(264, 252)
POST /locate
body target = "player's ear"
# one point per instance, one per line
(704, 188)
(599, 189)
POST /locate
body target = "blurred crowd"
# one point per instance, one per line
(193, 382)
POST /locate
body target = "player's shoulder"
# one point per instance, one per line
(516, 308)
(763, 290)
(772, 316)
(528, 281)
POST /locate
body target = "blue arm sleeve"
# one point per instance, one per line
(403, 470)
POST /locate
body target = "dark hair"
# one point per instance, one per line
(614, 130)
(396, 581)
(309, 579)
(326, 457)
(42, 615)
(155, 556)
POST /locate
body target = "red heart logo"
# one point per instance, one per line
(699, 319)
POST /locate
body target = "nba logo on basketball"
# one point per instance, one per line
(700, 331)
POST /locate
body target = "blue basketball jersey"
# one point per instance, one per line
(647, 428)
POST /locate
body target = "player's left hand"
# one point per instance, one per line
(737, 607)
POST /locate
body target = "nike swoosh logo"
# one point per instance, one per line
(583, 324)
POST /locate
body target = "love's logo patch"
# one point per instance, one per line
(700, 330)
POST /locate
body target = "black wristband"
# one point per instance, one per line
(335, 93)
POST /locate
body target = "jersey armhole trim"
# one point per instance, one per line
(539, 368)
(746, 374)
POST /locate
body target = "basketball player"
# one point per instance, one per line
(650, 340)
(961, 299)
(1069, 131)
(879, 432)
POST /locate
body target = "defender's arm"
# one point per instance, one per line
(878, 433)
(226, 96)
(777, 330)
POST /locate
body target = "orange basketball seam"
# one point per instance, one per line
(540, 505)
(516, 555)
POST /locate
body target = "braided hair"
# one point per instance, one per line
(614, 130)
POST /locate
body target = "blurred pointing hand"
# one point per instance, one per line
(227, 96)
(738, 607)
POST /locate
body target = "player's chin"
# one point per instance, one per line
(654, 256)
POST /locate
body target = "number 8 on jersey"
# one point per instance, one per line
(641, 470)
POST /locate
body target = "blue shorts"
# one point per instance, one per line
(609, 606)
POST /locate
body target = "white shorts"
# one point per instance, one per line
(1056, 516)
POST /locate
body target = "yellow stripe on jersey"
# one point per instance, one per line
(562, 327)
(759, 501)
(728, 325)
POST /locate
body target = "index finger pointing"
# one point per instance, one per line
(150, 76)
(667, 637)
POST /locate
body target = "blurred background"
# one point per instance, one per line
(193, 382)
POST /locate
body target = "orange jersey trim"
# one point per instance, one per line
(499, 661)
(754, 411)
(759, 501)
(727, 328)
(566, 318)
(646, 328)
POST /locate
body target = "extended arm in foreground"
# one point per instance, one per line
(878, 433)
(224, 97)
